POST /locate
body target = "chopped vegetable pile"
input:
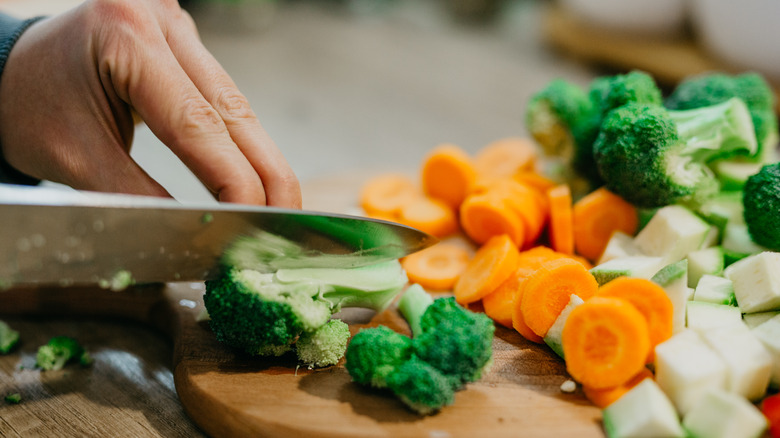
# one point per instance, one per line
(636, 235)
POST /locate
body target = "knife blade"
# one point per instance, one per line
(51, 236)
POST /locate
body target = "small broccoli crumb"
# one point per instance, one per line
(14, 398)
(59, 351)
(207, 218)
(568, 386)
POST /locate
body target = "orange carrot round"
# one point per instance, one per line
(505, 157)
(535, 180)
(448, 174)
(596, 216)
(603, 397)
(384, 195)
(438, 267)
(518, 322)
(429, 215)
(498, 304)
(561, 219)
(493, 263)
(484, 216)
(548, 290)
(605, 342)
(650, 300)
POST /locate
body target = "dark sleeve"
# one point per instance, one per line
(10, 30)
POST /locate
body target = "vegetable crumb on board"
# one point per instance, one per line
(568, 386)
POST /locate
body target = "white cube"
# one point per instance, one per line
(721, 414)
(756, 282)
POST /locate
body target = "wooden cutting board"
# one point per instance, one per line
(228, 394)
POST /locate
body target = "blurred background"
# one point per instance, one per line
(348, 87)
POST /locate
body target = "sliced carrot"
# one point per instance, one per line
(448, 174)
(518, 322)
(535, 179)
(493, 263)
(505, 157)
(603, 397)
(528, 204)
(561, 220)
(596, 216)
(484, 216)
(605, 342)
(651, 301)
(548, 290)
(438, 267)
(385, 194)
(499, 303)
(429, 215)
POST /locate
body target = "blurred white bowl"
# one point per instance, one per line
(655, 18)
(744, 33)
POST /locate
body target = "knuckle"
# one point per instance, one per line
(233, 105)
(198, 116)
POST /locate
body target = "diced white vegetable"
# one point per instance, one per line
(737, 240)
(685, 368)
(753, 320)
(748, 362)
(756, 282)
(720, 414)
(672, 233)
(769, 335)
(619, 245)
(716, 290)
(702, 316)
(643, 411)
(674, 279)
(554, 335)
(632, 266)
(707, 261)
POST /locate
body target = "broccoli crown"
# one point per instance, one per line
(324, 346)
(9, 338)
(454, 340)
(553, 112)
(761, 200)
(652, 156)
(374, 354)
(58, 352)
(713, 88)
(422, 387)
(250, 312)
(610, 92)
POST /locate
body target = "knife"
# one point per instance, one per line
(52, 236)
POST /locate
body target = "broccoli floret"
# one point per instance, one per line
(375, 353)
(14, 398)
(324, 346)
(451, 346)
(265, 313)
(9, 338)
(59, 351)
(713, 88)
(565, 120)
(761, 200)
(422, 387)
(653, 157)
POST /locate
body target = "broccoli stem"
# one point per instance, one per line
(412, 305)
(711, 132)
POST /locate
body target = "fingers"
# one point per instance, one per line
(279, 181)
(147, 76)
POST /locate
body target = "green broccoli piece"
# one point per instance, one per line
(9, 338)
(14, 398)
(265, 313)
(325, 346)
(652, 156)
(375, 353)
(565, 120)
(451, 346)
(713, 88)
(59, 351)
(761, 201)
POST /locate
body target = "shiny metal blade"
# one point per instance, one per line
(62, 237)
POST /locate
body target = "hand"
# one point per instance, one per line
(72, 82)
